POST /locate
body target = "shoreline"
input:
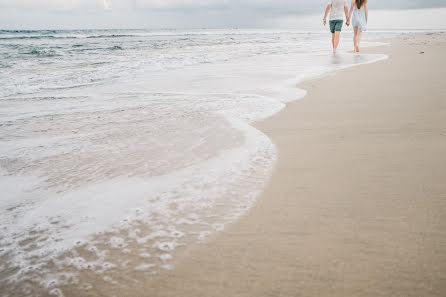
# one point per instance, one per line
(161, 248)
(356, 205)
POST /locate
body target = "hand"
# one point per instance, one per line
(325, 21)
(347, 23)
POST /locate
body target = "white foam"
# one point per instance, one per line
(144, 267)
(165, 257)
(144, 255)
(147, 164)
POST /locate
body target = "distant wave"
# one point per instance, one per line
(63, 37)
(59, 34)
(29, 31)
(37, 37)
(43, 53)
(111, 36)
(116, 47)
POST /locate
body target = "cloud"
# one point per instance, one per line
(107, 4)
(169, 13)
(53, 5)
(294, 6)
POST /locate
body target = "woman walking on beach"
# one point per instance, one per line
(360, 14)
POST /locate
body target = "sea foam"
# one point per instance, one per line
(112, 160)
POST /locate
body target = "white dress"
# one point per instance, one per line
(359, 20)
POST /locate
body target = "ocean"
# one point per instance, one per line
(119, 147)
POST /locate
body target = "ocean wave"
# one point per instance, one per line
(111, 36)
(43, 53)
(116, 47)
(37, 37)
(19, 31)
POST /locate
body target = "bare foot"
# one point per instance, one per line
(357, 49)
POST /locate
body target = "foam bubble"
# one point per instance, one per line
(144, 267)
(165, 257)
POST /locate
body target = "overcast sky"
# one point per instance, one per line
(20, 14)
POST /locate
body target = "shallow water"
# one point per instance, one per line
(118, 147)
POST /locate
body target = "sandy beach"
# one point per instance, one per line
(233, 148)
(355, 206)
(357, 202)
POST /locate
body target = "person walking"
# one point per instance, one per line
(359, 14)
(337, 9)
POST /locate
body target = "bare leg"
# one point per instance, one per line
(358, 39)
(355, 38)
(333, 41)
(337, 36)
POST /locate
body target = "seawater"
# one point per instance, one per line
(118, 147)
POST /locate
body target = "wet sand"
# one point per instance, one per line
(357, 202)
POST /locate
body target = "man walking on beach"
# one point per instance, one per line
(337, 9)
